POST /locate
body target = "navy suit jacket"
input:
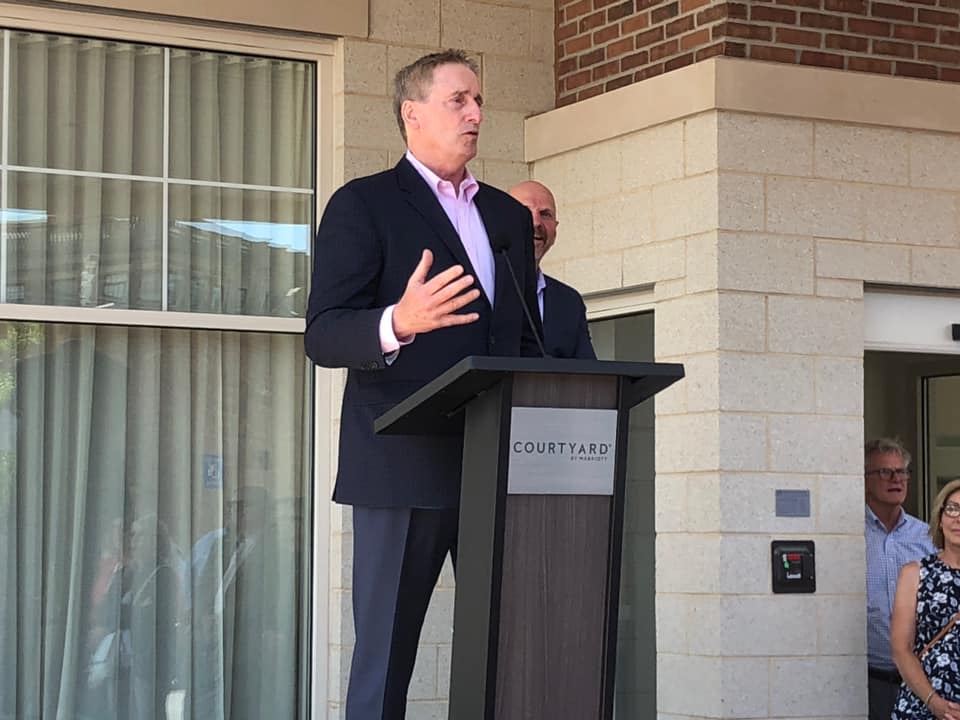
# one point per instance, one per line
(565, 332)
(370, 239)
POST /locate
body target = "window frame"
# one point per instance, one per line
(606, 304)
(323, 52)
(319, 51)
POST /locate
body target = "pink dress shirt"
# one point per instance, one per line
(466, 220)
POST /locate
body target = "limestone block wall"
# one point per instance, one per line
(758, 232)
(513, 42)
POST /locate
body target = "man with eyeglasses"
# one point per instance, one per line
(894, 538)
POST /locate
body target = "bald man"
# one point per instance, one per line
(564, 316)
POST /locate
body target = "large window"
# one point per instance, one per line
(155, 482)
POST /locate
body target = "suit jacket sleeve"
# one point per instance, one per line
(565, 322)
(584, 349)
(343, 313)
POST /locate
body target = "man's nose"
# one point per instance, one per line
(475, 112)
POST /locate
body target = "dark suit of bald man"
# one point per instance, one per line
(565, 330)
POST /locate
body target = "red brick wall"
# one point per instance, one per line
(606, 44)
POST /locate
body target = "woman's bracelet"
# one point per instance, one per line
(926, 701)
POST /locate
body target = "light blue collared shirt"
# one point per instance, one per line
(541, 286)
(887, 552)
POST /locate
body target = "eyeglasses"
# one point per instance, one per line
(887, 473)
(951, 510)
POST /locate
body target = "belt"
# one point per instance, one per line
(890, 676)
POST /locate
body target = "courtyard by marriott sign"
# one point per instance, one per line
(562, 451)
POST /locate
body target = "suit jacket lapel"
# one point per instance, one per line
(421, 197)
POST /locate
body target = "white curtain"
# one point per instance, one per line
(153, 522)
(240, 120)
(92, 106)
(154, 494)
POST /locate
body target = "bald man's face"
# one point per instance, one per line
(543, 210)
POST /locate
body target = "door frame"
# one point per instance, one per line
(917, 322)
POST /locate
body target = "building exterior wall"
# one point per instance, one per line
(605, 44)
(758, 230)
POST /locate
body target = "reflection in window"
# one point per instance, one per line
(153, 520)
(84, 241)
(239, 251)
(103, 210)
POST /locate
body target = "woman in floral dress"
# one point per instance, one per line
(928, 597)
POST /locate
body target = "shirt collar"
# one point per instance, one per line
(468, 186)
(872, 518)
(541, 281)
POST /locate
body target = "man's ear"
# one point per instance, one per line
(408, 111)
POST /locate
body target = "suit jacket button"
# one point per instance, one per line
(493, 341)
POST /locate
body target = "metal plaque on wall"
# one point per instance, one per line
(562, 451)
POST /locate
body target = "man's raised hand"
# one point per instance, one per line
(431, 304)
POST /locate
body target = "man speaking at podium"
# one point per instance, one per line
(405, 284)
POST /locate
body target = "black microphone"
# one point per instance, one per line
(500, 244)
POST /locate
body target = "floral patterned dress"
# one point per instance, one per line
(938, 599)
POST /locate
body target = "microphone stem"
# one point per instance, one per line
(523, 303)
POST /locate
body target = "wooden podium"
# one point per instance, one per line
(541, 524)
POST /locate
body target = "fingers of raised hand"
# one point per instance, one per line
(453, 319)
(419, 275)
(456, 302)
(424, 308)
(442, 279)
(454, 289)
(440, 308)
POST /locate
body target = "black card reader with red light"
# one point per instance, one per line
(794, 570)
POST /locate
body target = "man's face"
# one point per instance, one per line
(543, 209)
(442, 129)
(886, 479)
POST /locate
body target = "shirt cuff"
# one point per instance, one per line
(389, 343)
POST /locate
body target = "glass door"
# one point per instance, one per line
(630, 337)
(941, 431)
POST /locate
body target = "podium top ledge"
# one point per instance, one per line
(492, 363)
(452, 390)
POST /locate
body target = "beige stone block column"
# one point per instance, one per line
(773, 400)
